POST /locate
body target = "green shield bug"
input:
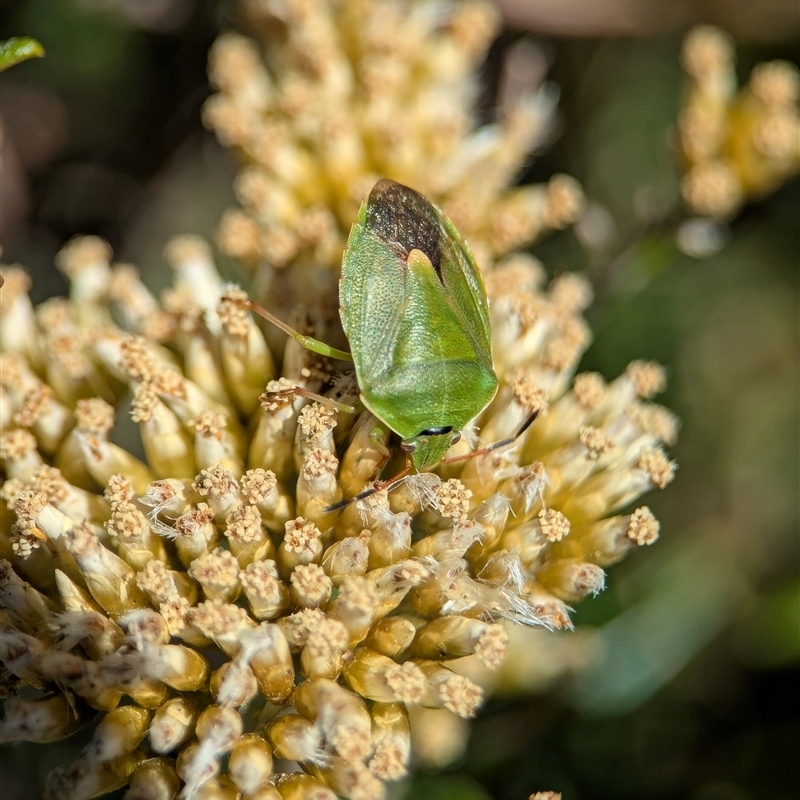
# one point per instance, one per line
(414, 310)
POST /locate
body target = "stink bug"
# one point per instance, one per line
(414, 310)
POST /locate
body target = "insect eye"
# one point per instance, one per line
(408, 447)
(456, 439)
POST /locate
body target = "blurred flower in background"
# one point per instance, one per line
(737, 146)
(685, 667)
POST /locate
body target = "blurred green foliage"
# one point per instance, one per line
(18, 49)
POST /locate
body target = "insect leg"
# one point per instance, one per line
(376, 438)
(309, 342)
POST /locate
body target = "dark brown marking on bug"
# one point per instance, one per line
(406, 221)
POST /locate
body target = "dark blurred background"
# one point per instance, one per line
(692, 688)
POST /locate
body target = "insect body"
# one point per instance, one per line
(414, 310)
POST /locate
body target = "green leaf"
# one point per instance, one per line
(18, 49)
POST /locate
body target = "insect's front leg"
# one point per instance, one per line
(366, 455)
(378, 437)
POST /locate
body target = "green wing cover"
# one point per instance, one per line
(418, 330)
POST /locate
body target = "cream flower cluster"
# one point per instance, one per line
(229, 628)
(738, 145)
(326, 98)
(168, 556)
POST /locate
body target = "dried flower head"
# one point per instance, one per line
(365, 605)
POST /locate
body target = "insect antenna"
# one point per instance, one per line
(496, 445)
(299, 391)
(308, 342)
(379, 486)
